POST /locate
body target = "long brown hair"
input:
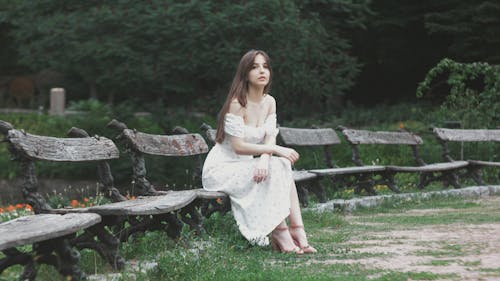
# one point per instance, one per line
(239, 87)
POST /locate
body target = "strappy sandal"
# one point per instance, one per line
(276, 247)
(307, 249)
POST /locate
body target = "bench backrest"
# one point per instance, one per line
(464, 135)
(357, 137)
(325, 137)
(166, 145)
(140, 144)
(62, 149)
(28, 148)
(467, 135)
(308, 137)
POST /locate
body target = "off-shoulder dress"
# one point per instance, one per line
(257, 207)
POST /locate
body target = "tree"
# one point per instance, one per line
(185, 53)
(472, 26)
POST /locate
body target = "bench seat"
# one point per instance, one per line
(484, 163)
(437, 167)
(31, 229)
(147, 205)
(348, 170)
(205, 194)
(303, 175)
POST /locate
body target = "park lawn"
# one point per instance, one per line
(432, 239)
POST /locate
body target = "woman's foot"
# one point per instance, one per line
(282, 241)
(299, 237)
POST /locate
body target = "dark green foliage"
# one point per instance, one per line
(471, 26)
(185, 53)
(474, 92)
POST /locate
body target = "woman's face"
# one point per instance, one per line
(259, 74)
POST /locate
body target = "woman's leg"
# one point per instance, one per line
(283, 240)
(296, 223)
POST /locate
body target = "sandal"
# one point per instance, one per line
(307, 249)
(276, 246)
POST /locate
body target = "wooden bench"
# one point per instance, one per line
(53, 236)
(181, 144)
(324, 138)
(447, 171)
(310, 179)
(475, 167)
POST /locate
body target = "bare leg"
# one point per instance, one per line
(282, 240)
(297, 224)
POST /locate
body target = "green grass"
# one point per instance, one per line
(222, 253)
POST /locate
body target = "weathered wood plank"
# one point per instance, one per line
(63, 149)
(308, 137)
(437, 167)
(484, 163)
(166, 145)
(205, 194)
(348, 170)
(381, 137)
(36, 228)
(467, 135)
(303, 175)
(148, 205)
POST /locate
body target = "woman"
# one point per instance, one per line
(262, 190)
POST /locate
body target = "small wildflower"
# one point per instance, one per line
(19, 206)
(28, 208)
(74, 203)
(401, 125)
(1, 210)
(10, 208)
(85, 199)
(82, 205)
(219, 200)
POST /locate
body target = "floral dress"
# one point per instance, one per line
(257, 207)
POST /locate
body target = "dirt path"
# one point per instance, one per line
(469, 251)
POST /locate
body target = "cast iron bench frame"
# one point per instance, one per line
(444, 171)
(53, 236)
(474, 169)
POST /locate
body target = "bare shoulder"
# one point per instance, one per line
(236, 108)
(271, 104)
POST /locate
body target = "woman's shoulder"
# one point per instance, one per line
(236, 108)
(271, 104)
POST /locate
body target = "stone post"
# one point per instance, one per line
(57, 101)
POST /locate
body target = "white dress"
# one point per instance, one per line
(257, 207)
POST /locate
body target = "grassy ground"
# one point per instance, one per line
(434, 239)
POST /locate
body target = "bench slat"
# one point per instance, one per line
(299, 176)
(35, 228)
(348, 170)
(148, 205)
(467, 135)
(171, 145)
(308, 137)
(436, 167)
(484, 163)
(63, 149)
(378, 137)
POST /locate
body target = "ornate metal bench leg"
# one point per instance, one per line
(58, 253)
(191, 216)
(107, 246)
(13, 257)
(303, 194)
(391, 182)
(424, 181)
(452, 179)
(477, 174)
(319, 190)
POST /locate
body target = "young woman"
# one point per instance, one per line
(262, 190)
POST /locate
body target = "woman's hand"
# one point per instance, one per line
(288, 153)
(261, 170)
